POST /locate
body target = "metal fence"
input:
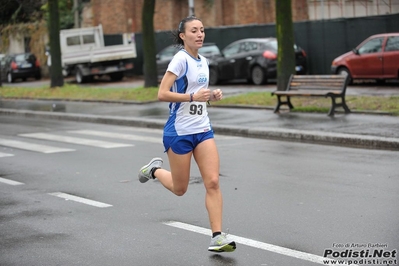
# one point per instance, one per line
(323, 40)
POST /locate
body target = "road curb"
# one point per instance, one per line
(315, 137)
(236, 106)
(258, 107)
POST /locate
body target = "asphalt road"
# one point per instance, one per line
(285, 203)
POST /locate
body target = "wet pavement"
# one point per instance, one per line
(363, 130)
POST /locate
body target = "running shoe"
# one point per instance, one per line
(221, 243)
(145, 172)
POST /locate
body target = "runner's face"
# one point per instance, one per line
(193, 35)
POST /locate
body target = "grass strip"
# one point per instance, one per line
(74, 92)
(388, 104)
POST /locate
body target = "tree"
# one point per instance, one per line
(285, 39)
(20, 11)
(149, 50)
(57, 80)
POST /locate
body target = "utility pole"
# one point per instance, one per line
(76, 13)
(191, 8)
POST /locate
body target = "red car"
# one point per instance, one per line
(377, 58)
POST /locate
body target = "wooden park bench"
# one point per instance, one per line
(333, 86)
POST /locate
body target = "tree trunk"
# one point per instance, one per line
(57, 80)
(150, 65)
(285, 38)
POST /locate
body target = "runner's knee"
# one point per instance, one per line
(180, 191)
(212, 183)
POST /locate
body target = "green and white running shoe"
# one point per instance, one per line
(221, 243)
(145, 172)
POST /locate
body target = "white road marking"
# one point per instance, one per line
(5, 154)
(31, 146)
(73, 140)
(118, 135)
(80, 199)
(256, 244)
(143, 129)
(10, 182)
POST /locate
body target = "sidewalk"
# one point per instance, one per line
(371, 131)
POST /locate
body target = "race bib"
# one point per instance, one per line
(194, 109)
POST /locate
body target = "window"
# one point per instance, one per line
(249, 46)
(209, 50)
(231, 50)
(21, 58)
(26, 44)
(87, 39)
(372, 46)
(392, 44)
(274, 44)
(75, 40)
(168, 52)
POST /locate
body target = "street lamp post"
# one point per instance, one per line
(76, 13)
(191, 8)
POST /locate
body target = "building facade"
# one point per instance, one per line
(330, 9)
(120, 16)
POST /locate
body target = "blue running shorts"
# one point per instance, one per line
(187, 143)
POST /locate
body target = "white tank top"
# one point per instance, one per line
(187, 118)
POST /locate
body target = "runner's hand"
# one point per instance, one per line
(203, 95)
(217, 95)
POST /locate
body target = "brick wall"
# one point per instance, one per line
(168, 14)
(120, 16)
(116, 16)
(300, 10)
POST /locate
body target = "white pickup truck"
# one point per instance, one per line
(84, 54)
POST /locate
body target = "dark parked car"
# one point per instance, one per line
(253, 59)
(377, 58)
(208, 50)
(20, 66)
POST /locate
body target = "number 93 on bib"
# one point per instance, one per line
(194, 109)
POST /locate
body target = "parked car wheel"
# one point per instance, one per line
(344, 71)
(258, 76)
(79, 76)
(10, 78)
(213, 76)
